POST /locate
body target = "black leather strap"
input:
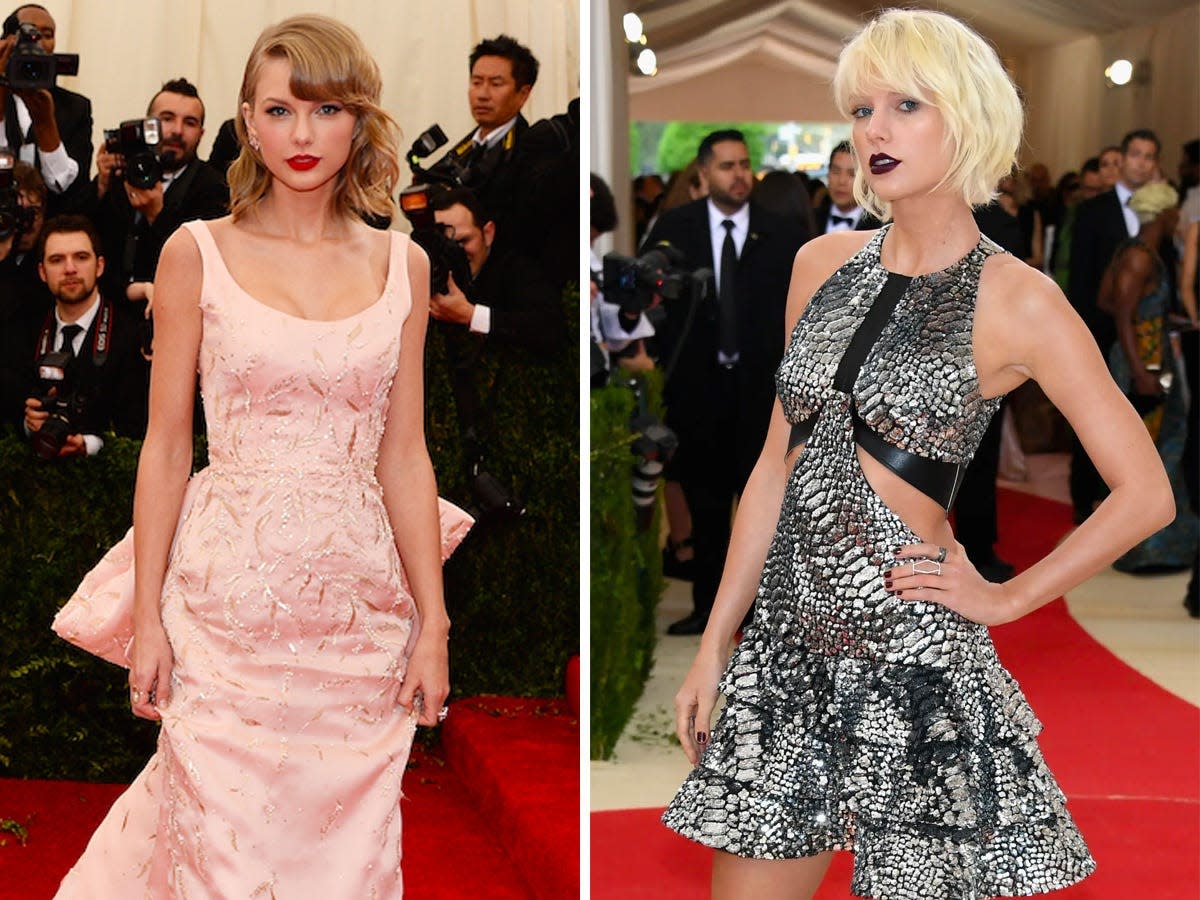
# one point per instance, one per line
(801, 432)
(869, 330)
(932, 477)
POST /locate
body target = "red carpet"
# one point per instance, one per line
(446, 824)
(1124, 751)
(525, 780)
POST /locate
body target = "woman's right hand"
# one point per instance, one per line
(150, 671)
(694, 704)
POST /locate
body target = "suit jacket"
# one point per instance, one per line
(865, 222)
(1098, 229)
(116, 389)
(761, 285)
(73, 115)
(131, 247)
(490, 174)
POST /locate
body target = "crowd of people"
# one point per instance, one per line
(79, 253)
(1119, 236)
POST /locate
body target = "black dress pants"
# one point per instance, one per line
(707, 467)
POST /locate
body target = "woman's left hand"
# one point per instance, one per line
(954, 583)
(427, 678)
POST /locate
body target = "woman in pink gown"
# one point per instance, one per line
(277, 593)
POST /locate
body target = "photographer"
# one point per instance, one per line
(511, 303)
(87, 374)
(503, 73)
(50, 128)
(136, 215)
(618, 335)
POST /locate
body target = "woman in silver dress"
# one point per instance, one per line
(865, 707)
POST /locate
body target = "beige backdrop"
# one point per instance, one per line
(128, 48)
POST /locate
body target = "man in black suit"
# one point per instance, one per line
(720, 348)
(104, 368)
(1100, 225)
(512, 302)
(503, 73)
(135, 222)
(839, 211)
(51, 129)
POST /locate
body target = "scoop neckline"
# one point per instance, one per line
(387, 285)
(883, 233)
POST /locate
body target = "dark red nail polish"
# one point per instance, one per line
(887, 583)
(701, 737)
(899, 593)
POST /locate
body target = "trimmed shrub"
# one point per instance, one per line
(626, 568)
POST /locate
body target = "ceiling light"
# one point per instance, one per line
(1120, 72)
(632, 24)
(647, 62)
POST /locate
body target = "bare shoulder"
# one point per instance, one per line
(180, 257)
(816, 261)
(1013, 289)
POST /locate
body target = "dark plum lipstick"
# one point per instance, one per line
(881, 163)
(303, 163)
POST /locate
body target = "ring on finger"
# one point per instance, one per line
(137, 695)
(442, 713)
(941, 557)
(926, 567)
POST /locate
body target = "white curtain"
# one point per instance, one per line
(128, 48)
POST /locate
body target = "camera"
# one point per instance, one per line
(31, 68)
(137, 141)
(653, 446)
(446, 257)
(633, 282)
(449, 170)
(60, 399)
(15, 219)
(491, 502)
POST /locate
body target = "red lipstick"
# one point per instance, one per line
(881, 163)
(303, 162)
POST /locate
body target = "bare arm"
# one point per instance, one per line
(410, 497)
(1034, 333)
(165, 461)
(1131, 275)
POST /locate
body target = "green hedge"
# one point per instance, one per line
(626, 569)
(513, 593)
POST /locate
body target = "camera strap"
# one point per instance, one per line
(101, 334)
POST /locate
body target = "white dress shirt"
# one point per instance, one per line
(59, 171)
(855, 214)
(1132, 225)
(716, 227)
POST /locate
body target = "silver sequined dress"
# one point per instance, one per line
(853, 719)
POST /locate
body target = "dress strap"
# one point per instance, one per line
(869, 330)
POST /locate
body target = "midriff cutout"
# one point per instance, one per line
(918, 512)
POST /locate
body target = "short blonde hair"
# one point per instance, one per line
(329, 62)
(940, 61)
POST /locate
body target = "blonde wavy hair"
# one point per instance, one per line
(937, 60)
(329, 62)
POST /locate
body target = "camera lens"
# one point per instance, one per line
(49, 439)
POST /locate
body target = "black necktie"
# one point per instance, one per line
(68, 338)
(725, 295)
(844, 220)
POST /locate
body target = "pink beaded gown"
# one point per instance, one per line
(277, 772)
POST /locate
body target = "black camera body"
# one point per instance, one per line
(633, 282)
(59, 397)
(15, 219)
(653, 446)
(30, 68)
(449, 170)
(137, 140)
(446, 257)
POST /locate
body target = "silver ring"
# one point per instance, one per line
(941, 557)
(918, 570)
(442, 713)
(137, 695)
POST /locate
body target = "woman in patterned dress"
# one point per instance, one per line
(865, 708)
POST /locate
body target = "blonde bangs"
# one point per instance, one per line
(938, 60)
